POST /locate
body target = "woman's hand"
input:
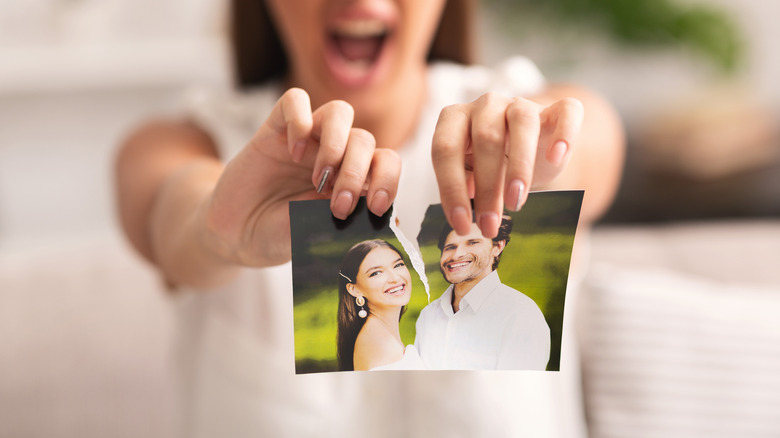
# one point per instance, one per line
(197, 219)
(495, 150)
(296, 154)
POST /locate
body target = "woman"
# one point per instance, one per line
(374, 288)
(207, 203)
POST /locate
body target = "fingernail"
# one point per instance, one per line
(557, 152)
(515, 193)
(380, 202)
(343, 204)
(323, 179)
(460, 220)
(298, 149)
(488, 223)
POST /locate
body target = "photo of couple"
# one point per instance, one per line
(494, 304)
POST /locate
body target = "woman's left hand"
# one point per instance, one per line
(495, 149)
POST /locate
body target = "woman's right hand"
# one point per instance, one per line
(246, 217)
(197, 219)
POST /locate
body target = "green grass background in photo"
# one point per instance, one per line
(535, 262)
(319, 242)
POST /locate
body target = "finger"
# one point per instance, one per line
(353, 172)
(450, 140)
(488, 138)
(564, 118)
(291, 117)
(383, 180)
(523, 122)
(332, 125)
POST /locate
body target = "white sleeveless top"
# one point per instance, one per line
(236, 343)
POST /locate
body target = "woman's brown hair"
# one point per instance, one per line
(349, 323)
(259, 56)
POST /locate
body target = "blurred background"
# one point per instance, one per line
(85, 327)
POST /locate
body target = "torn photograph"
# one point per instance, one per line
(366, 297)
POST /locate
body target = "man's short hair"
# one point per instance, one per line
(504, 231)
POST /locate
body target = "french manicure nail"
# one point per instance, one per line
(488, 223)
(557, 152)
(298, 149)
(460, 218)
(323, 179)
(380, 202)
(515, 192)
(343, 204)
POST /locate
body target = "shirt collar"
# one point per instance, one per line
(446, 301)
(479, 293)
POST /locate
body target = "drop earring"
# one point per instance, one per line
(360, 301)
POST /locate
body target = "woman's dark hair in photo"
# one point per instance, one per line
(258, 54)
(349, 323)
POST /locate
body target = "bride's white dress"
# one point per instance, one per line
(410, 361)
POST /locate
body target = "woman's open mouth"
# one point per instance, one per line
(355, 49)
(396, 290)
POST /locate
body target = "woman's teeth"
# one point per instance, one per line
(359, 41)
(395, 289)
(361, 29)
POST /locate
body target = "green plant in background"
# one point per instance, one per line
(661, 23)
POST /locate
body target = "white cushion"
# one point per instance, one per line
(670, 354)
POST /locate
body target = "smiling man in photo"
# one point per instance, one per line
(479, 323)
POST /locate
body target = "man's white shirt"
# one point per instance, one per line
(497, 327)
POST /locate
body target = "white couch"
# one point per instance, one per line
(679, 330)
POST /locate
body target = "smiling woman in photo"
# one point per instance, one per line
(374, 288)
